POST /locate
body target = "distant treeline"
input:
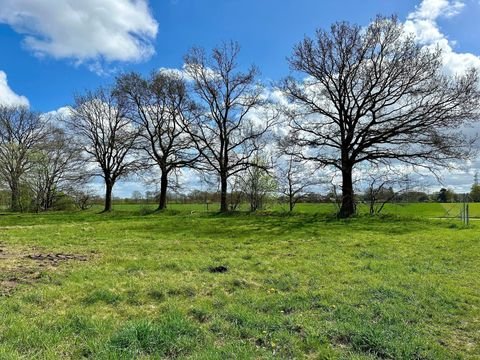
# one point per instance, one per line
(71, 200)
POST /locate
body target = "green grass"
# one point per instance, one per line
(297, 286)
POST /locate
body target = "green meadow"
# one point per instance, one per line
(187, 283)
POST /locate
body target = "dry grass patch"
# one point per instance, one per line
(24, 265)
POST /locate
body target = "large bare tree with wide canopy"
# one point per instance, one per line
(161, 108)
(101, 124)
(375, 95)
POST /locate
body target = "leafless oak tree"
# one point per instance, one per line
(161, 109)
(375, 95)
(224, 132)
(21, 132)
(105, 134)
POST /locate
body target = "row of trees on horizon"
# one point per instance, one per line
(367, 102)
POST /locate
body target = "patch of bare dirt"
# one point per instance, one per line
(55, 258)
(28, 265)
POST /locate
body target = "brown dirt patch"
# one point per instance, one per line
(28, 265)
(55, 258)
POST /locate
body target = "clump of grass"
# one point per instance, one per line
(201, 315)
(80, 324)
(182, 291)
(157, 295)
(381, 342)
(102, 295)
(172, 336)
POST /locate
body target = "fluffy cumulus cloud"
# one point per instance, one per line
(61, 113)
(7, 95)
(86, 31)
(423, 22)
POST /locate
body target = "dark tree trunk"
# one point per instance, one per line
(15, 199)
(48, 201)
(108, 196)
(163, 190)
(253, 202)
(290, 196)
(223, 194)
(372, 207)
(348, 203)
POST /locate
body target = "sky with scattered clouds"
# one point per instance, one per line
(51, 49)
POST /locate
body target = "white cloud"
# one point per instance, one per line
(432, 9)
(7, 95)
(86, 31)
(423, 23)
(174, 72)
(63, 112)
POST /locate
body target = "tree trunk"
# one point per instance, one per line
(48, 200)
(15, 199)
(372, 207)
(253, 202)
(290, 195)
(163, 190)
(223, 194)
(348, 203)
(108, 196)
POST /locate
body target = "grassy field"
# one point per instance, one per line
(190, 284)
(419, 210)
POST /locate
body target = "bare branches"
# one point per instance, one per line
(295, 178)
(21, 131)
(100, 122)
(161, 108)
(57, 164)
(375, 95)
(231, 118)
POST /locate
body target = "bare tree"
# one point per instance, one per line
(161, 109)
(225, 132)
(21, 131)
(256, 183)
(383, 185)
(375, 95)
(295, 179)
(378, 193)
(236, 196)
(82, 196)
(106, 137)
(56, 163)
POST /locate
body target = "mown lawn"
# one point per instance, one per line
(191, 284)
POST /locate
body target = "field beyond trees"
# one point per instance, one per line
(186, 283)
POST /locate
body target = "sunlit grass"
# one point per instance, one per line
(301, 285)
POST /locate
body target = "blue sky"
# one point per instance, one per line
(51, 49)
(266, 30)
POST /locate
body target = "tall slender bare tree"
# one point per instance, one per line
(105, 135)
(295, 179)
(375, 95)
(21, 131)
(161, 108)
(225, 132)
